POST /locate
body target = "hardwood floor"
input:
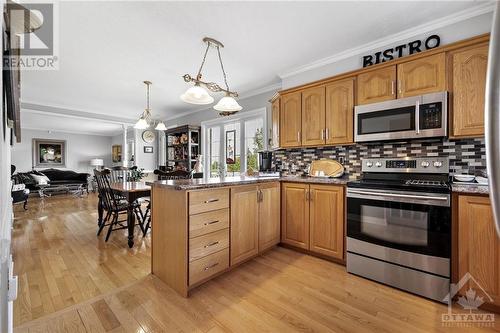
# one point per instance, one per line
(61, 262)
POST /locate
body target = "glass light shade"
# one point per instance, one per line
(197, 95)
(227, 104)
(141, 124)
(161, 126)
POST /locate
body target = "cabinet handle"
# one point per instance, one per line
(307, 195)
(261, 195)
(327, 133)
(211, 200)
(311, 195)
(393, 83)
(211, 222)
(298, 136)
(322, 134)
(400, 87)
(211, 244)
(210, 266)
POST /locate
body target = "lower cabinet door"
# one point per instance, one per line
(269, 216)
(295, 214)
(244, 223)
(327, 220)
(478, 246)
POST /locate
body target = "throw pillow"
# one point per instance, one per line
(40, 180)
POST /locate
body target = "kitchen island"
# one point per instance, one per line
(204, 227)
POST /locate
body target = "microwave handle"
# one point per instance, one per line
(417, 116)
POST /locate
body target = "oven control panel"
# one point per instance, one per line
(407, 164)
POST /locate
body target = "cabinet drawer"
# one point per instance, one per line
(205, 201)
(204, 223)
(202, 246)
(205, 267)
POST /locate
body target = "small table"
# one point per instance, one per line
(131, 191)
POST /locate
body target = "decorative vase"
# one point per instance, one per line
(198, 167)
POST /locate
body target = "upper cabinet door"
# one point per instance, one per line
(269, 215)
(244, 223)
(313, 116)
(327, 220)
(275, 123)
(291, 120)
(339, 112)
(295, 214)
(376, 86)
(422, 76)
(468, 87)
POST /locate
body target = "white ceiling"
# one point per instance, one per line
(108, 48)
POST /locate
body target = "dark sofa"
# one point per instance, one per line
(57, 178)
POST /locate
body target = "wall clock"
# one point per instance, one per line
(148, 136)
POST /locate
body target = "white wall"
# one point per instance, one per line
(80, 149)
(143, 160)
(451, 33)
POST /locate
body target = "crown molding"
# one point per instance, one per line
(405, 34)
(110, 135)
(73, 113)
(250, 93)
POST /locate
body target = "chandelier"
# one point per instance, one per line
(145, 118)
(197, 94)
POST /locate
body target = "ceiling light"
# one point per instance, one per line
(145, 117)
(227, 106)
(161, 126)
(198, 95)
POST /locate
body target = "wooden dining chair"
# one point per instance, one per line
(114, 205)
(164, 175)
(121, 173)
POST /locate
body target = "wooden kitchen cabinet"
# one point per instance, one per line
(422, 76)
(244, 223)
(269, 216)
(376, 86)
(478, 244)
(468, 82)
(339, 115)
(313, 116)
(327, 220)
(295, 214)
(275, 123)
(291, 120)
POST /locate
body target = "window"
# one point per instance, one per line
(231, 144)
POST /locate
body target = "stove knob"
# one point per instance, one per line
(378, 164)
(438, 164)
(369, 164)
(425, 164)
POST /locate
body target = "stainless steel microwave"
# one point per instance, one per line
(423, 116)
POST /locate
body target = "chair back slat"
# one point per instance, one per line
(177, 174)
(108, 198)
(121, 173)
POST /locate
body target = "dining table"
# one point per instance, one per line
(131, 191)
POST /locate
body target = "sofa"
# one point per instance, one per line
(55, 179)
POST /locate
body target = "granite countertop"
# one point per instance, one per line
(470, 188)
(201, 183)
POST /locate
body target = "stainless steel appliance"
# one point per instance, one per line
(399, 224)
(422, 116)
(492, 117)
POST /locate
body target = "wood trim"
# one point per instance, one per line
(447, 48)
(313, 254)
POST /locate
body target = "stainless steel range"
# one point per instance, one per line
(399, 224)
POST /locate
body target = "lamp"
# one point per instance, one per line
(199, 95)
(161, 126)
(97, 163)
(145, 117)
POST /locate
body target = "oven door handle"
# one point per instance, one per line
(396, 195)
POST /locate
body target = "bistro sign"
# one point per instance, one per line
(402, 50)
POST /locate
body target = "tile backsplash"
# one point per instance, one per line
(466, 155)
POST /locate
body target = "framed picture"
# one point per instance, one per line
(230, 147)
(49, 153)
(148, 149)
(116, 153)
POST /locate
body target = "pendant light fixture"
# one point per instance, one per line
(199, 95)
(161, 126)
(145, 118)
